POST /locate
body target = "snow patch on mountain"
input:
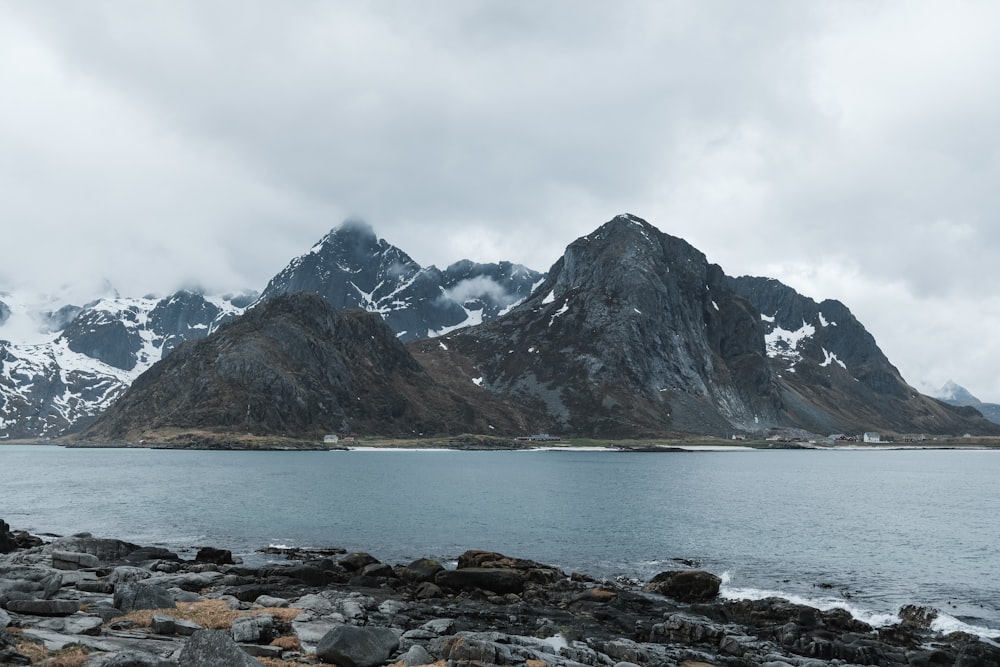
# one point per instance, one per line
(783, 344)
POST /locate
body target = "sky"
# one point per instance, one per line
(850, 149)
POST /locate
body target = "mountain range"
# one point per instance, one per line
(631, 333)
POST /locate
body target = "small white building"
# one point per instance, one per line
(330, 439)
(871, 436)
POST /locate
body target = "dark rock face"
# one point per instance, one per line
(131, 595)
(352, 268)
(291, 366)
(102, 337)
(182, 316)
(832, 375)
(686, 585)
(4, 312)
(632, 333)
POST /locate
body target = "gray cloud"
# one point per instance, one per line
(848, 149)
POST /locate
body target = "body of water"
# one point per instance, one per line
(865, 530)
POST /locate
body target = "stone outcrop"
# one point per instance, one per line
(283, 611)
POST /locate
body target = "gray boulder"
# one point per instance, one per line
(73, 560)
(422, 569)
(350, 646)
(4, 619)
(107, 551)
(253, 629)
(136, 595)
(214, 648)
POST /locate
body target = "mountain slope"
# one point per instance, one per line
(294, 366)
(832, 374)
(632, 333)
(86, 357)
(353, 268)
(635, 333)
(955, 394)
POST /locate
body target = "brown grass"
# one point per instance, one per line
(71, 656)
(288, 643)
(211, 614)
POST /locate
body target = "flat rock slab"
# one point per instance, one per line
(44, 607)
(74, 560)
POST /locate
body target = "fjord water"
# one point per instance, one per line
(866, 530)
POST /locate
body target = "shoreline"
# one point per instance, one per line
(514, 610)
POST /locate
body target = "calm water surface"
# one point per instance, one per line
(868, 530)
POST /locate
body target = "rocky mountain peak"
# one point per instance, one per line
(352, 268)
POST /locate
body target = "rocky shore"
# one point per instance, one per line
(99, 602)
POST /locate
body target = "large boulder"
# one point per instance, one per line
(422, 569)
(213, 555)
(73, 560)
(131, 596)
(107, 551)
(685, 585)
(498, 580)
(351, 646)
(214, 648)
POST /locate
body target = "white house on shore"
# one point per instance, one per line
(871, 436)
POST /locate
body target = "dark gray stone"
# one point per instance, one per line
(356, 561)
(214, 648)
(72, 560)
(496, 579)
(685, 585)
(162, 624)
(44, 607)
(422, 569)
(213, 555)
(139, 595)
(351, 646)
(136, 659)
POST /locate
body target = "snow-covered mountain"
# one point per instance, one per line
(353, 268)
(956, 394)
(62, 365)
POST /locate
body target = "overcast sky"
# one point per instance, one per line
(849, 149)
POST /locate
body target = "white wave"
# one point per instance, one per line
(873, 618)
(945, 624)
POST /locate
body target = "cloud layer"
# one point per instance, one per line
(849, 149)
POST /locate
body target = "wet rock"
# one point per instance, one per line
(145, 554)
(350, 646)
(496, 580)
(427, 591)
(214, 648)
(354, 562)
(7, 542)
(685, 585)
(462, 649)
(420, 570)
(213, 555)
(918, 617)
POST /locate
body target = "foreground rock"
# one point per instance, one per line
(353, 611)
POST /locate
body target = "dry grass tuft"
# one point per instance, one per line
(211, 614)
(288, 643)
(71, 656)
(34, 652)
